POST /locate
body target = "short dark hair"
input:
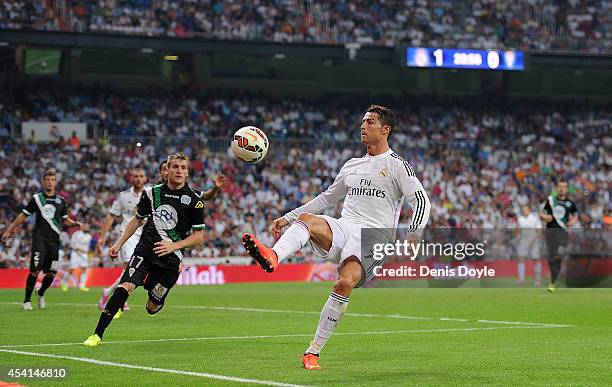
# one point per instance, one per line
(162, 164)
(139, 168)
(49, 172)
(387, 117)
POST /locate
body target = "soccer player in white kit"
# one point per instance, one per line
(374, 187)
(80, 244)
(529, 243)
(123, 208)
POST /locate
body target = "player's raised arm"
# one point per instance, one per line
(108, 223)
(219, 181)
(326, 199)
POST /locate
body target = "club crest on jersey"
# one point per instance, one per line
(131, 271)
(559, 211)
(166, 217)
(185, 199)
(48, 211)
(199, 204)
(384, 173)
(58, 201)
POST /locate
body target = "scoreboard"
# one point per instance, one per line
(465, 59)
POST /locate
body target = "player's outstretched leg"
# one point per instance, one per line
(293, 239)
(112, 306)
(262, 254)
(332, 312)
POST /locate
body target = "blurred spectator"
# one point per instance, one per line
(74, 141)
(582, 25)
(478, 161)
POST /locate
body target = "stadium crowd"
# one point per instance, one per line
(582, 25)
(478, 163)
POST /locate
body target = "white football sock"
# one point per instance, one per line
(111, 289)
(83, 279)
(332, 311)
(521, 271)
(292, 240)
(538, 271)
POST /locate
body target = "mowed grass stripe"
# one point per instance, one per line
(371, 315)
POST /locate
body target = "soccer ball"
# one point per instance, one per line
(250, 144)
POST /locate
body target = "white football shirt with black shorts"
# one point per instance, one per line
(171, 216)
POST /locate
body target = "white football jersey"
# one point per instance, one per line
(80, 241)
(528, 225)
(530, 221)
(374, 188)
(125, 206)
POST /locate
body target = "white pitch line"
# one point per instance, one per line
(373, 315)
(524, 323)
(367, 333)
(152, 369)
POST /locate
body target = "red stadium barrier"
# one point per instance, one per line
(192, 275)
(306, 272)
(225, 274)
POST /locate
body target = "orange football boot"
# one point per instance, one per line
(311, 361)
(264, 255)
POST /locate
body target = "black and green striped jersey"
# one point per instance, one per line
(172, 214)
(50, 214)
(560, 209)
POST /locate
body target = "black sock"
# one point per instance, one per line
(30, 283)
(46, 282)
(112, 306)
(555, 268)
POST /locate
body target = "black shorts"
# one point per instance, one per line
(44, 255)
(556, 239)
(157, 274)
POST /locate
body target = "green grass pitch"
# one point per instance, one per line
(208, 335)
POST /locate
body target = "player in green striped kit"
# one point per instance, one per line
(175, 221)
(51, 213)
(559, 213)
